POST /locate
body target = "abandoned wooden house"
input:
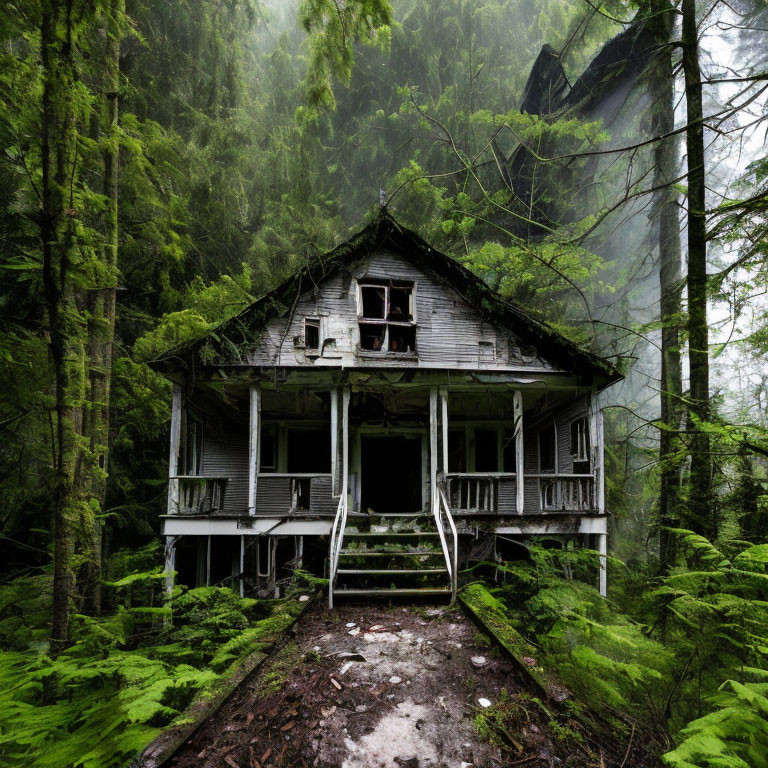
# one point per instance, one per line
(381, 418)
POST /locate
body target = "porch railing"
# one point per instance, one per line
(283, 493)
(195, 494)
(567, 493)
(478, 492)
(337, 541)
(443, 519)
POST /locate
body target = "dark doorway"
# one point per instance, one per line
(391, 473)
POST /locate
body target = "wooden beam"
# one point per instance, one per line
(254, 448)
(173, 460)
(517, 409)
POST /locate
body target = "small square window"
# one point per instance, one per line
(312, 334)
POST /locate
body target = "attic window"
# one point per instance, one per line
(312, 334)
(386, 318)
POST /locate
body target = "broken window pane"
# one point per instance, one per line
(402, 339)
(580, 439)
(312, 334)
(372, 336)
(374, 301)
(400, 304)
(486, 450)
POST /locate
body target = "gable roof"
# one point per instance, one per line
(229, 343)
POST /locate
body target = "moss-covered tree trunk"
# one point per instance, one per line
(701, 515)
(57, 223)
(101, 316)
(665, 156)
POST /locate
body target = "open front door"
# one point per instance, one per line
(391, 473)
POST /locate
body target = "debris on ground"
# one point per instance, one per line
(416, 693)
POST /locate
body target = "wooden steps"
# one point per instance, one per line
(391, 555)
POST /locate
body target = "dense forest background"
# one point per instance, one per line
(162, 164)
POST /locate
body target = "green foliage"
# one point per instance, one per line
(127, 675)
(733, 735)
(604, 656)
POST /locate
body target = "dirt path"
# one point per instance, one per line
(367, 687)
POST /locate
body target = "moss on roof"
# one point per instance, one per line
(229, 343)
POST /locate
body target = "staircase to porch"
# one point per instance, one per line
(392, 555)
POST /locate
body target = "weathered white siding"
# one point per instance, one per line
(227, 456)
(449, 330)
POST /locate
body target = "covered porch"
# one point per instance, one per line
(291, 450)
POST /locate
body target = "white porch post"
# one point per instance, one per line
(598, 452)
(602, 548)
(433, 442)
(335, 442)
(444, 423)
(173, 460)
(345, 395)
(254, 447)
(517, 411)
(598, 470)
(170, 563)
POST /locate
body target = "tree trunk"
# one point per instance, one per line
(57, 227)
(101, 323)
(665, 156)
(701, 516)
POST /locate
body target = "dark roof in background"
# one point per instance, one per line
(228, 343)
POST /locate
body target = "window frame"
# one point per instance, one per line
(312, 322)
(410, 324)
